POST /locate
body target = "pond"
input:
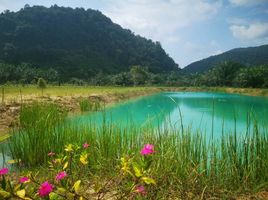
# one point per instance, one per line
(211, 113)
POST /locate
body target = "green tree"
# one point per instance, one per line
(41, 83)
(123, 79)
(256, 77)
(139, 75)
(223, 74)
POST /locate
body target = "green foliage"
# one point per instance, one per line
(123, 79)
(222, 74)
(229, 74)
(256, 77)
(25, 73)
(247, 56)
(139, 75)
(76, 43)
(41, 83)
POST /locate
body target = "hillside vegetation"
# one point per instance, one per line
(68, 43)
(246, 56)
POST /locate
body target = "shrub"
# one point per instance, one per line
(41, 83)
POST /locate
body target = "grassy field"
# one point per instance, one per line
(16, 92)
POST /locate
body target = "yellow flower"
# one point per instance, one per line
(83, 158)
(69, 147)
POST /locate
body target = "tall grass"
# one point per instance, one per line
(93, 105)
(185, 163)
(38, 132)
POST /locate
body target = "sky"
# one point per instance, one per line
(188, 30)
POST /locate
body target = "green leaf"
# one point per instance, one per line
(4, 194)
(70, 196)
(54, 196)
(61, 191)
(148, 180)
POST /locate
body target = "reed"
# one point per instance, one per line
(38, 132)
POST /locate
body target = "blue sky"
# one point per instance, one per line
(188, 30)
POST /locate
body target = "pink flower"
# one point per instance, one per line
(51, 154)
(60, 176)
(140, 189)
(24, 179)
(45, 189)
(147, 149)
(86, 145)
(3, 171)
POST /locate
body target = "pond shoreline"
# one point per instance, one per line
(10, 110)
(13, 100)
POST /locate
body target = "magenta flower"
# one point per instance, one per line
(3, 171)
(61, 175)
(51, 154)
(45, 189)
(140, 189)
(86, 145)
(24, 179)
(147, 149)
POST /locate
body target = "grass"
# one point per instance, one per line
(15, 92)
(185, 164)
(36, 135)
(90, 105)
(18, 93)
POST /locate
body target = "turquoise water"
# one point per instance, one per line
(211, 113)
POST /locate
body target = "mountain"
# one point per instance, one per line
(247, 56)
(76, 42)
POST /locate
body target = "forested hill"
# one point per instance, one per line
(248, 56)
(76, 43)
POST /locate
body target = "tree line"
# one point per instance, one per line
(228, 74)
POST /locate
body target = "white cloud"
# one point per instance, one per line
(247, 2)
(253, 31)
(160, 19)
(2, 7)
